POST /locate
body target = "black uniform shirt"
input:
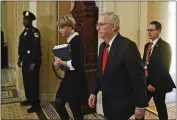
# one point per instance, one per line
(29, 44)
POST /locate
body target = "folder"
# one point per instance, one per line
(63, 52)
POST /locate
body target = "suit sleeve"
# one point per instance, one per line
(96, 84)
(135, 68)
(144, 54)
(166, 59)
(77, 54)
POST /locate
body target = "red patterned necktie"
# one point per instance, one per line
(105, 56)
(148, 52)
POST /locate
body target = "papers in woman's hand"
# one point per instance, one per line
(60, 46)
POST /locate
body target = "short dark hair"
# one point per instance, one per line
(157, 24)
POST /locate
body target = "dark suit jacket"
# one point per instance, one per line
(73, 88)
(159, 65)
(123, 82)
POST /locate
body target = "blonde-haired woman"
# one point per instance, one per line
(73, 88)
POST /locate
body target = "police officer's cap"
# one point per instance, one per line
(27, 15)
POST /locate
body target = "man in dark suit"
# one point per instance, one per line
(157, 61)
(120, 74)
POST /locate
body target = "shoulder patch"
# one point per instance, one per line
(36, 34)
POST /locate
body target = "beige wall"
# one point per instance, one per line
(46, 23)
(129, 19)
(159, 11)
(12, 26)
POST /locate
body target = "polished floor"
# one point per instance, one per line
(11, 109)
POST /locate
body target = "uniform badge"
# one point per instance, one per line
(25, 33)
(36, 34)
(145, 67)
(28, 52)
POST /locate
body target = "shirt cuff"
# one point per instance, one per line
(70, 65)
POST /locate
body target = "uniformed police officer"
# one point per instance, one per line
(29, 52)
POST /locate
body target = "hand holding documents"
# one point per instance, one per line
(62, 52)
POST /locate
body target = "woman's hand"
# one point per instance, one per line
(57, 62)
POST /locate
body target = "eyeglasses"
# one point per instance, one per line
(150, 30)
(102, 24)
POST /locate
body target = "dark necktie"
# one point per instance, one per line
(105, 56)
(148, 52)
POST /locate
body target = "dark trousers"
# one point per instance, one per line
(31, 82)
(75, 108)
(116, 111)
(159, 100)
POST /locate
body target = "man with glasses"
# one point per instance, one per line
(120, 73)
(157, 61)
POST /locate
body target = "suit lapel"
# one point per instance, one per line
(154, 52)
(101, 56)
(113, 50)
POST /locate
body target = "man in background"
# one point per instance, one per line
(157, 61)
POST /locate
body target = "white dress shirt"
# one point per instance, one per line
(154, 43)
(110, 42)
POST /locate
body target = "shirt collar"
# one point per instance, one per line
(110, 42)
(71, 36)
(155, 41)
